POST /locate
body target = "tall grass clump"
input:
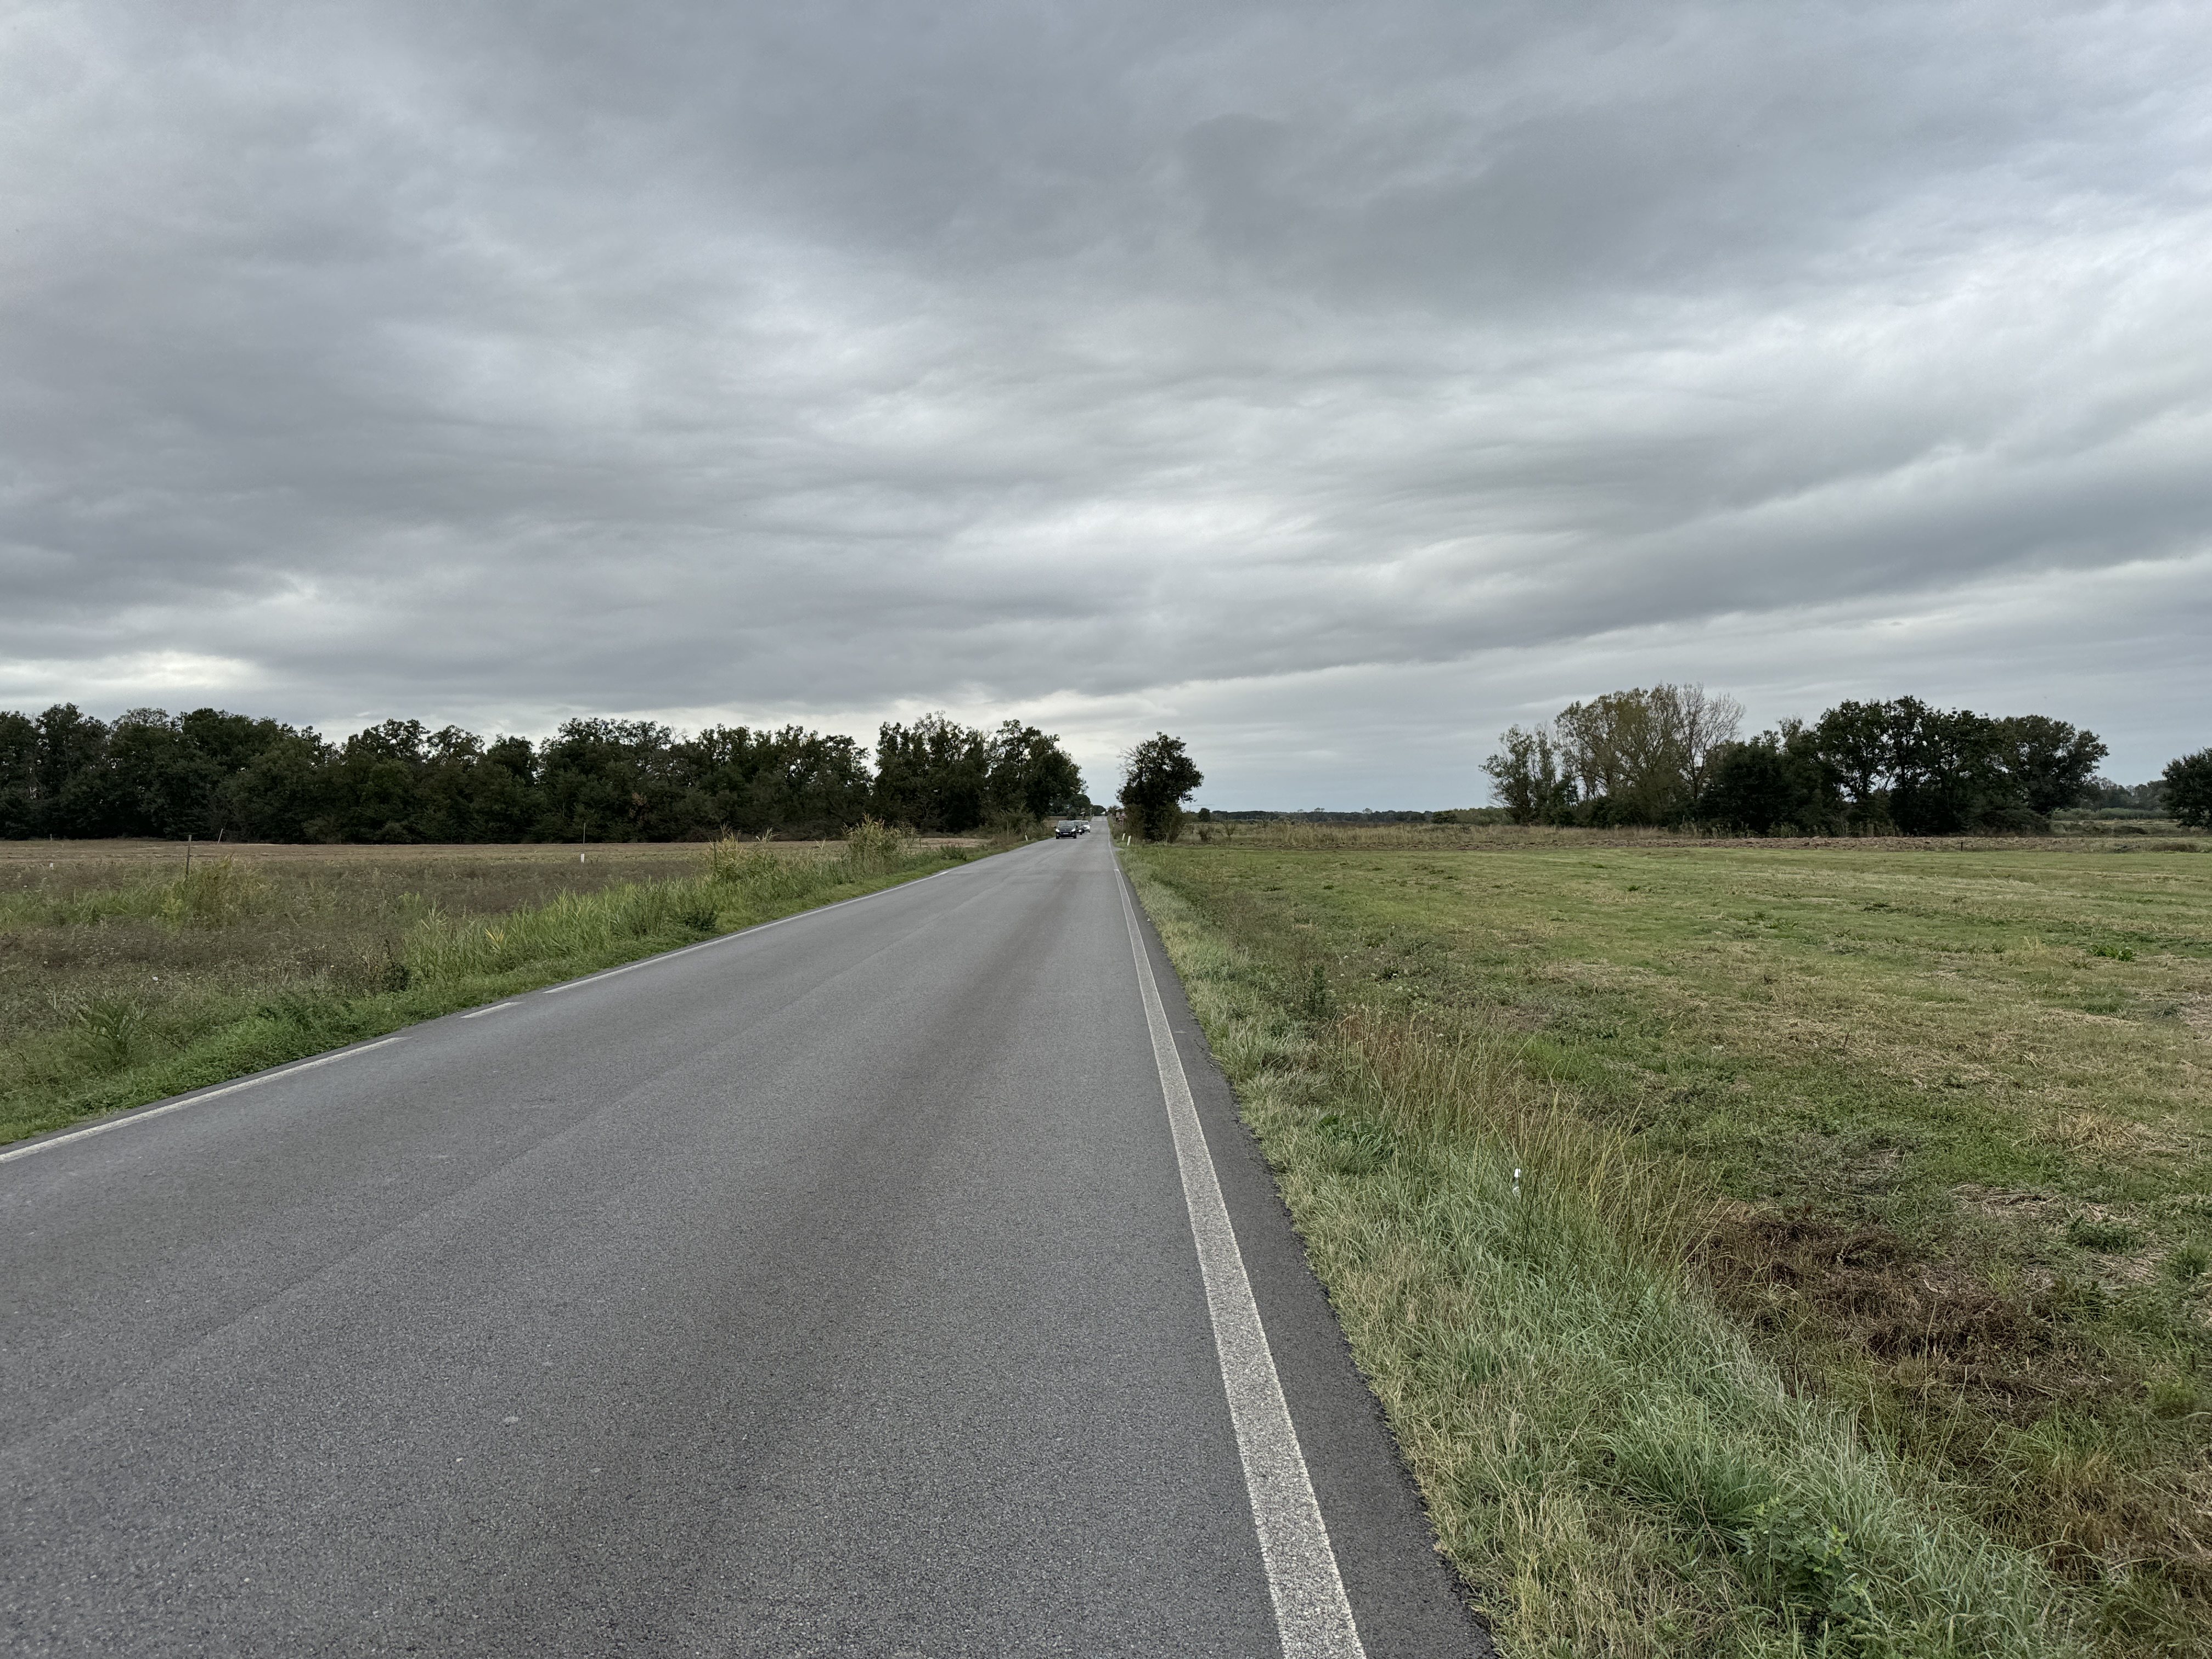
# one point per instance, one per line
(1610, 1464)
(574, 926)
(872, 846)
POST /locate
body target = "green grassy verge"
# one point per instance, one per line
(124, 990)
(1852, 1299)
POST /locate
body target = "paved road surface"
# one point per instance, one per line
(827, 1289)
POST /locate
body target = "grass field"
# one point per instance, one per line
(1852, 1296)
(124, 978)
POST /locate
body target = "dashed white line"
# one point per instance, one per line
(478, 1013)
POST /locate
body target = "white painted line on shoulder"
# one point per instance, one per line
(1313, 1616)
(478, 1013)
(125, 1122)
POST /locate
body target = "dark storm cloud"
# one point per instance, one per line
(1337, 382)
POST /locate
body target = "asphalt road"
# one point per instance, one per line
(831, 1288)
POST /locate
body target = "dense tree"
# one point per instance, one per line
(1918, 770)
(1030, 775)
(1947, 772)
(1526, 777)
(932, 775)
(1636, 757)
(209, 773)
(2188, 794)
(609, 780)
(1853, 739)
(2051, 764)
(1665, 753)
(283, 793)
(1774, 783)
(170, 776)
(754, 783)
(19, 775)
(75, 788)
(1158, 777)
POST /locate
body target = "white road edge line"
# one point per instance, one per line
(478, 1013)
(1313, 1616)
(126, 1120)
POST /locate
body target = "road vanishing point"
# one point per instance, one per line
(893, 1280)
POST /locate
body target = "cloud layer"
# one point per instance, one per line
(1330, 383)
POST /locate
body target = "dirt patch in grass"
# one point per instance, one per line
(1869, 1292)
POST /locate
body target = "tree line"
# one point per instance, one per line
(210, 774)
(1670, 755)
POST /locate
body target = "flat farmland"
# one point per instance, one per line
(1755, 1247)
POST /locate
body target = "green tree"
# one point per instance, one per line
(1526, 777)
(932, 775)
(75, 788)
(2189, 789)
(2051, 764)
(1641, 756)
(753, 782)
(1948, 771)
(19, 775)
(1030, 775)
(1920, 770)
(170, 774)
(374, 793)
(609, 780)
(1854, 741)
(1158, 777)
(284, 793)
(1775, 781)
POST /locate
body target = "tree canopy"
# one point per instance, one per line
(1158, 777)
(2189, 789)
(1670, 755)
(209, 773)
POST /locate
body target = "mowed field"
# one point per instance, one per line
(126, 977)
(1758, 1249)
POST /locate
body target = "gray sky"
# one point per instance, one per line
(1329, 384)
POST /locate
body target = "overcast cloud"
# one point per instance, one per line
(1331, 384)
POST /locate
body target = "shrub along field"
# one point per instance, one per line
(1759, 1249)
(124, 978)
